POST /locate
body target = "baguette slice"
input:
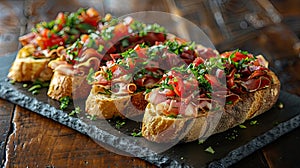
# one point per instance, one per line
(162, 129)
(62, 85)
(27, 68)
(109, 106)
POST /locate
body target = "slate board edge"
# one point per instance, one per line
(44, 109)
(237, 154)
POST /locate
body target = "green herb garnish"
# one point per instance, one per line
(242, 126)
(34, 87)
(77, 110)
(137, 134)
(25, 85)
(253, 122)
(119, 124)
(201, 141)
(210, 150)
(92, 117)
(64, 102)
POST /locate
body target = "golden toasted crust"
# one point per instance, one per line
(26, 68)
(107, 106)
(62, 85)
(250, 105)
(159, 128)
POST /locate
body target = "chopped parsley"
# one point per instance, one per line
(107, 33)
(119, 124)
(25, 85)
(242, 126)
(210, 150)
(64, 102)
(37, 85)
(201, 141)
(92, 117)
(109, 75)
(77, 110)
(137, 134)
(253, 122)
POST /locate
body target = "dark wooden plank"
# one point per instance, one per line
(39, 142)
(6, 111)
(284, 152)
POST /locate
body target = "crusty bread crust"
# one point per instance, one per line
(107, 106)
(62, 85)
(26, 68)
(251, 105)
(159, 128)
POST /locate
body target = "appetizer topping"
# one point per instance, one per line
(112, 37)
(143, 67)
(64, 30)
(198, 88)
(244, 72)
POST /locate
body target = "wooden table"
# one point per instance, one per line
(30, 140)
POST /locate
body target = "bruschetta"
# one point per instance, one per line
(119, 87)
(40, 46)
(86, 56)
(182, 107)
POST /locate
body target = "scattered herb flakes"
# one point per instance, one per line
(280, 105)
(92, 117)
(210, 150)
(201, 141)
(253, 122)
(119, 124)
(77, 110)
(242, 126)
(34, 87)
(25, 85)
(64, 102)
(35, 92)
(232, 136)
(12, 82)
(137, 134)
(37, 85)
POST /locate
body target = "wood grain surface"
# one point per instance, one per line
(37, 141)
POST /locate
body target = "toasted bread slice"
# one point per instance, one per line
(160, 128)
(62, 85)
(27, 68)
(110, 106)
(251, 105)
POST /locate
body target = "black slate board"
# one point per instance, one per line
(271, 125)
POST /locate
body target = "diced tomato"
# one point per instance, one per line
(178, 87)
(238, 56)
(169, 92)
(198, 61)
(45, 33)
(84, 37)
